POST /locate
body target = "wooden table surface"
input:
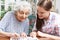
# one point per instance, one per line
(4, 38)
(7, 38)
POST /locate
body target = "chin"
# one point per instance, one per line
(40, 17)
(22, 20)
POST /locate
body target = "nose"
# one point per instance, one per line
(24, 16)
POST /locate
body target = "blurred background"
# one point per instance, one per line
(8, 5)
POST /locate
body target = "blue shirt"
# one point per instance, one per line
(10, 24)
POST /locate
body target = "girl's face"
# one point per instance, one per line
(22, 15)
(42, 13)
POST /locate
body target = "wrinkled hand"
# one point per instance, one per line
(33, 34)
(15, 35)
(23, 35)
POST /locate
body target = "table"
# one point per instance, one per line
(7, 38)
(4, 38)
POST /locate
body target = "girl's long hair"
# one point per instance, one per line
(39, 24)
(47, 5)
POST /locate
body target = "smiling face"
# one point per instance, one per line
(22, 15)
(42, 13)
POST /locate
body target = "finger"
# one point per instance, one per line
(17, 35)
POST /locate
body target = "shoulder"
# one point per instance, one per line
(9, 13)
(57, 18)
(7, 16)
(55, 14)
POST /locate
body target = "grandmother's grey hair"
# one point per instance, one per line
(23, 5)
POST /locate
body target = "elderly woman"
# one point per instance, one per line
(16, 21)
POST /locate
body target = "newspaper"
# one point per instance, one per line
(27, 38)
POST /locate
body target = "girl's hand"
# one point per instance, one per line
(33, 34)
(40, 34)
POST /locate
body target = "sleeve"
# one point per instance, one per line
(57, 30)
(57, 27)
(26, 29)
(34, 27)
(4, 22)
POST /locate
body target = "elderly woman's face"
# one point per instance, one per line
(22, 15)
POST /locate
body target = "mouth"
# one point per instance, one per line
(40, 17)
(22, 19)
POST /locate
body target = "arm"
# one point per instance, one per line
(4, 23)
(47, 35)
(5, 34)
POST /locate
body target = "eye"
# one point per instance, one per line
(26, 13)
(42, 12)
(21, 12)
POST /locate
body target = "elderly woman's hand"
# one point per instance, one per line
(23, 35)
(14, 35)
